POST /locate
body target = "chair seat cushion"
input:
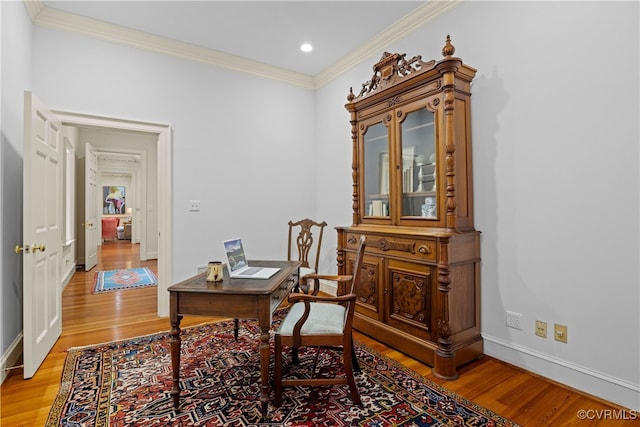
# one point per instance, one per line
(323, 319)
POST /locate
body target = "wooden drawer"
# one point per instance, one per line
(422, 248)
(283, 291)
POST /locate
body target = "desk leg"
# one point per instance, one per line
(175, 359)
(265, 354)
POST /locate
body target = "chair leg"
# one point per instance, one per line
(277, 374)
(353, 388)
(354, 359)
(236, 326)
(315, 363)
(294, 356)
(348, 356)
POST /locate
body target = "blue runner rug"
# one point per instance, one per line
(115, 280)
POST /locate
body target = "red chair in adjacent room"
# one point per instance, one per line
(109, 228)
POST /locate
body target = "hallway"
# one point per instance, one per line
(87, 318)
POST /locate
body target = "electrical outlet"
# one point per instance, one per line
(194, 205)
(541, 328)
(560, 333)
(514, 320)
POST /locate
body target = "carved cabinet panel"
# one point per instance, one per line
(409, 292)
(369, 294)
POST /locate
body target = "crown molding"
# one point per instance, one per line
(425, 13)
(54, 19)
(63, 21)
(34, 7)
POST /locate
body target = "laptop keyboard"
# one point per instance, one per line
(251, 270)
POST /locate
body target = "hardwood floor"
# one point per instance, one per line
(92, 318)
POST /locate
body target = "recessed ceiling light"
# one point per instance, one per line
(306, 47)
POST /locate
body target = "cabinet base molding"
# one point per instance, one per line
(424, 351)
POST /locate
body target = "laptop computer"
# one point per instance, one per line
(238, 265)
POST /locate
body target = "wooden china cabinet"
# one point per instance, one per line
(413, 200)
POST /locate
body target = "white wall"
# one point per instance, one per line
(555, 134)
(16, 39)
(242, 145)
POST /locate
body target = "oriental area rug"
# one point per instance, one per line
(128, 383)
(115, 280)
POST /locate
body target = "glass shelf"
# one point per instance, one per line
(419, 168)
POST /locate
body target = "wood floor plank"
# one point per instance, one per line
(89, 318)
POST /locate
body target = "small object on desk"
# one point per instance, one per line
(214, 271)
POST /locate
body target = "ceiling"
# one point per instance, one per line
(260, 37)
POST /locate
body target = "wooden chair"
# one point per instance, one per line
(301, 241)
(303, 247)
(318, 321)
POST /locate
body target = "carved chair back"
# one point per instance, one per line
(305, 241)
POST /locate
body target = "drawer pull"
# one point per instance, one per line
(385, 245)
(425, 250)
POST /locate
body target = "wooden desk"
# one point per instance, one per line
(236, 298)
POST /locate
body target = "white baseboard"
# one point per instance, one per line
(328, 287)
(69, 275)
(11, 357)
(603, 386)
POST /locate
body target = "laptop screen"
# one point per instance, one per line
(236, 258)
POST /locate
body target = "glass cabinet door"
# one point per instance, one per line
(419, 169)
(376, 171)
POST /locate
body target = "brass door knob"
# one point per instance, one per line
(17, 249)
(35, 248)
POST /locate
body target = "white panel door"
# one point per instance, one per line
(91, 216)
(42, 232)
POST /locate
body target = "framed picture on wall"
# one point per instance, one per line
(114, 200)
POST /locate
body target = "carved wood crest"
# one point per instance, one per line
(393, 67)
(390, 69)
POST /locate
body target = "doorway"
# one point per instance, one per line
(164, 215)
